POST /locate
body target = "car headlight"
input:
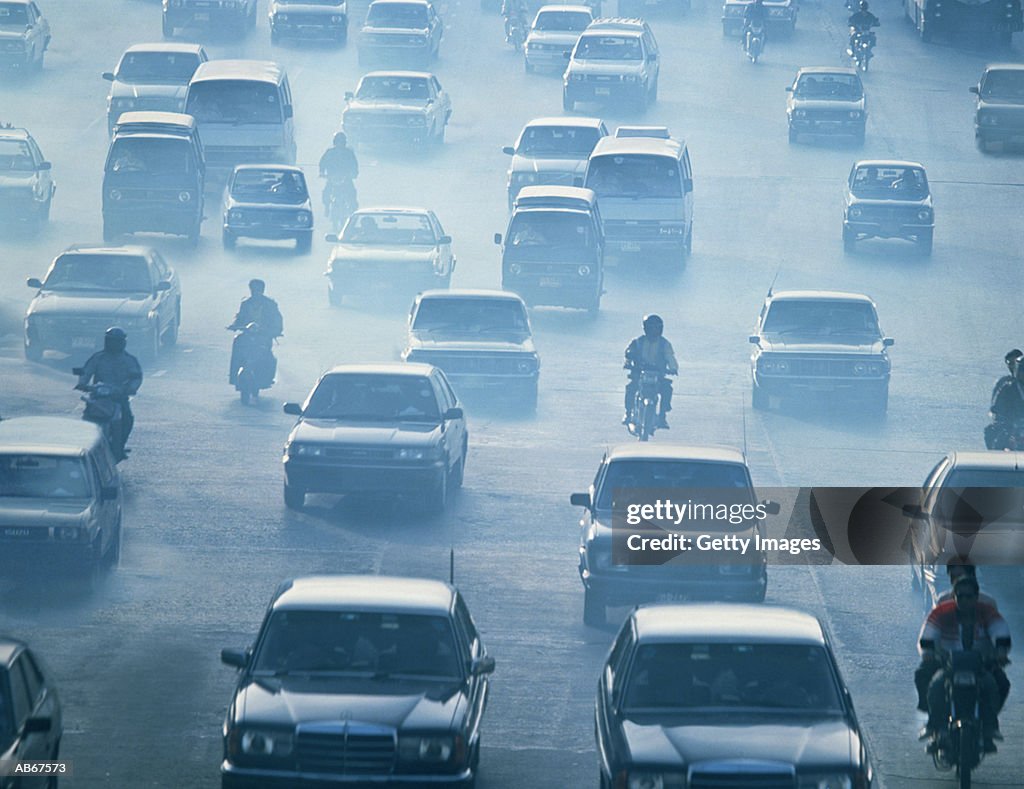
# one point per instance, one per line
(800, 113)
(515, 268)
(769, 365)
(260, 743)
(184, 197)
(410, 453)
(860, 368)
(583, 271)
(576, 77)
(628, 77)
(528, 365)
(303, 217)
(924, 214)
(855, 114)
(66, 533)
(782, 366)
(235, 216)
(296, 449)
(114, 194)
(229, 4)
(855, 212)
(282, 17)
(337, 20)
(123, 104)
(825, 781)
(433, 750)
(416, 40)
(524, 178)
(989, 120)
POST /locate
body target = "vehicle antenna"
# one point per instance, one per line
(770, 287)
(451, 565)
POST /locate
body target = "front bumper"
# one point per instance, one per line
(893, 229)
(788, 385)
(15, 60)
(77, 336)
(604, 92)
(828, 126)
(233, 777)
(210, 17)
(567, 289)
(633, 586)
(327, 477)
(151, 217)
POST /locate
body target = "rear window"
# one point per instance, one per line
(43, 477)
(608, 48)
(234, 101)
(730, 481)
(13, 14)
(634, 175)
(401, 15)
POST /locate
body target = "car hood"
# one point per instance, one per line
(147, 90)
(381, 434)
(423, 342)
(228, 135)
(396, 31)
(797, 344)
(304, 8)
(566, 37)
(382, 253)
(399, 703)
(545, 164)
(826, 104)
(609, 67)
(10, 32)
(888, 203)
(18, 511)
(85, 303)
(17, 180)
(793, 740)
(230, 202)
(386, 105)
(1000, 103)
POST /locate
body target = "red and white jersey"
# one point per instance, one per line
(943, 626)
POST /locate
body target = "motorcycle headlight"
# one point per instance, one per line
(825, 781)
(114, 194)
(432, 750)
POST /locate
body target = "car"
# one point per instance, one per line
(236, 15)
(552, 152)
(400, 31)
(614, 60)
(553, 34)
(27, 185)
(888, 198)
(31, 719)
(781, 16)
(407, 107)
(60, 495)
(268, 201)
(726, 695)
(152, 77)
(998, 117)
(481, 339)
(358, 679)
(970, 506)
(309, 19)
(819, 342)
(389, 248)
(827, 101)
(24, 35)
(394, 428)
(627, 471)
(89, 288)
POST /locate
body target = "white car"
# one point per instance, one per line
(397, 107)
(553, 34)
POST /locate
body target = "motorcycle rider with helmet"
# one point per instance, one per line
(115, 367)
(1007, 402)
(260, 313)
(514, 13)
(340, 168)
(861, 21)
(755, 18)
(651, 351)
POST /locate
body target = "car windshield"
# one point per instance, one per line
(821, 318)
(973, 498)
(359, 643)
(829, 86)
(471, 316)
(889, 182)
(568, 21)
(173, 67)
(634, 175)
(550, 229)
(558, 141)
(608, 48)
(43, 477)
(270, 186)
(393, 88)
(375, 398)
(99, 272)
(234, 101)
(758, 676)
(13, 14)
(633, 475)
(1003, 85)
(333, 3)
(412, 16)
(16, 155)
(150, 156)
(385, 228)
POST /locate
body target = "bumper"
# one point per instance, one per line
(698, 582)
(1008, 135)
(267, 232)
(347, 478)
(547, 58)
(372, 134)
(852, 127)
(774, 385)
(184, 17)
(322, 30)
(608, 92)
(233, 777)
(905, 230)
(31, 556)
(563, 290)
(152, 217)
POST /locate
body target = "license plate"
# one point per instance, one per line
(81, 342)
(602, 91)
(630, 246)
(550, 282)
(201, 16)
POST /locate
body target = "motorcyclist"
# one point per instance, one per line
(651, 351)
(340, 168)
(861, 21)
(514, 13)
(1007, 401)
(261, 310)
(118, 368)
(965, 622)
(755, 17)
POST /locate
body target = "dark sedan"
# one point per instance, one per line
(30, 714)
(703, 696)
(358, 680)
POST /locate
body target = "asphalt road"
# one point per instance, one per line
(207, 537)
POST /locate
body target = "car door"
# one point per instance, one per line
(30, 746)
(44, 174)
(444, 250)
(168, 299)
(442, 101)
(109, 508)
(478, 685)
(163, 305)
(609, 690)
(434, 23)
(455, 434)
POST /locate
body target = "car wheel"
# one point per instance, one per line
(439, 136)
(982, 144)
(110, 233)
(152, 346)
(758, 398)
(568, 104)
(924, 242)
(33, 351)
(294, 497)
(334, 297)
(170, 338)
(37, 64)
(652, 98)
(167, 27)
(688, 243)
(228, 239)
(44, 210)
(304, 243)
(459, 475)
(794, 136)
(437, 499)
(114, 549)
(849, 240)
(593, 609)
(192, 237)
(275, 37)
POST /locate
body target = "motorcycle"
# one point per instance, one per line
(643, 415)
(862, 44)
(103, 408)
(340, 202)
(253, 360)
(1006, 436)
(753, 42)
(515, 32)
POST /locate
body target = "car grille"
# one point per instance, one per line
(618, 228)
(829, 115)
(397, 119)
(349, 749)
(80, 326)
(741, 780)
(358, 454)
(475, 363)
(820, 367)
(266, 216)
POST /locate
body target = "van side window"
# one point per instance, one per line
(104, 467)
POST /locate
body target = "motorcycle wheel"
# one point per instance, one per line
(647, 422)
(247, 389)
(963, 763)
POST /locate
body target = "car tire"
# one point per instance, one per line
(275, 37)
(334, 297)
(878, 403)
(794, 136)
(192, 237)
(44, 210)
(459, 475)
(439, 137)
(527, 67)
(114, 549)
(110, 233)
(982, 143)
(170, 338)
(437, 498)
(688, 243)
(652, 97)
(228, 239)
(568, 104)
(167, 28)
(593, 609)
(924, 242)
(294, 497)
(758, 398)
(304, 243)
(151, 351)
(849, 240)
(33, 351)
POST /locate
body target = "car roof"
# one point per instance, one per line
(401, 2)
(547, 197)
(579, 9)
(411, 369)
(128, 250)
(1004, 67)
(994, 460)
(470, 293)
(590, 123)
(48, 435)
(167, 46)
(18, 2)
(8, 647)
(288, 168)
(625, 32)
(651, 146)
(634, 24)
(703, 454)
(256, 70)
(14, 133)
(827, 70)
(888, 163)
(818, 295)
(365, 593)
(391, 209)
(726, 623)
(159, 121)
(404, 74)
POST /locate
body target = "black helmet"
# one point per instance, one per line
(115, 339)
(257, 287)
(653, 325)
(340, 140)
(1013, 359)
(863, 5)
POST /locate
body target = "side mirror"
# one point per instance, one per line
(444, 240)
(508, 150)
(77, 370)
(38, 725)
(789, 89)
(454, 413)
(888, 342)
(580, 500)
(288, 111)
(651, 58)
(913, 511)
(163, 285)
(567, 55)
(108, 76)
(34, 282)
(236, 658)
(109, 493)
(497, 240)
(687, 184)
(45, 166)
(753, 339)
(293, 409)
(331, 238)
(349, 95)
(975, 90)
(771, 507)
(481, 665)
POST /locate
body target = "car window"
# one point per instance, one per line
(386, 228)
(99, 272)
(143, 157)
(21, 701)
(174, 68)
(449, 392)
(558, 141)
(567, 21)
(821, 318)
(777, 677)
(14, 14)
(30, 675)
(401, 15)
(43, 477)
(373, 645)
(235, 101)
(6, 711)
(375, 398)
(437, 85)
(163, 272)
(468, 316)
(104, 467)
(16, 155)
(973, 498)
(619, 655)
(550, 229)
(413, 88)
(608, 48)
(885, 182)
(283, 187)
(625, 477)
(1003, 85)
